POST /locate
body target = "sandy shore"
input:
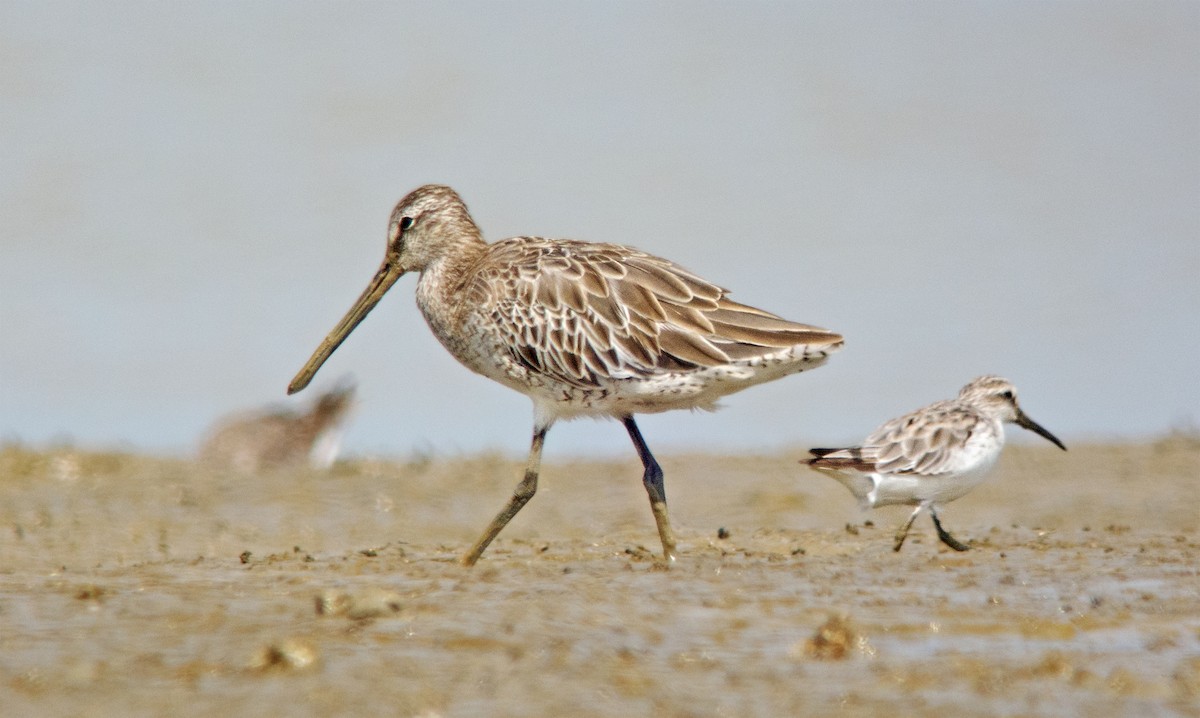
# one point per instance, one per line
(137, 585)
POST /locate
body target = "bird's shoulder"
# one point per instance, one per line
(554, 272)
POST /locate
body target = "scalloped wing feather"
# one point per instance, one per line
(924, 441)
(579, 311)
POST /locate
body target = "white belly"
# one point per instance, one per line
(975, 463)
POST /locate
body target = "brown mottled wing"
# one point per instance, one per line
(923, 442)
(578, 311)
(918, 443)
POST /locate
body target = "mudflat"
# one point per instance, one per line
(136, 585)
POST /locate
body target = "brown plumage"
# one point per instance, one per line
(599, 316)
(583, 329)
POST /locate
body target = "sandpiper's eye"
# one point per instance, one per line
(405, 223)
(1007, 395)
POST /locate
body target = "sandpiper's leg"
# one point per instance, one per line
(652, 479)
(903, 532)
(944, 535)
(524, 491)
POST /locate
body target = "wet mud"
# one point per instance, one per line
(140, 585)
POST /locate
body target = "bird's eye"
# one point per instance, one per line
(405, 223)
(1007, 395)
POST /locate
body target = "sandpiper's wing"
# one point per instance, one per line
(581, 311)
(926, 442)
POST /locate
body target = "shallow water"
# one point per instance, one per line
(139, 585)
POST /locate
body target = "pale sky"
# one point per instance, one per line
(192, 195)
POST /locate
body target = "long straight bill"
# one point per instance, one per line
(383, 280)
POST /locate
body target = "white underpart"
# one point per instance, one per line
(668, 391)
(974, 460)
(326, 448)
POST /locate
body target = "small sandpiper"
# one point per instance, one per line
(277, 438)
(933, 455)
(583, 329)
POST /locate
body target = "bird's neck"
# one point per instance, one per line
(443, 281)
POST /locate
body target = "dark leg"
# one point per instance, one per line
(524, 491)
(652, 479)
(903, 532)
(943, 535)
